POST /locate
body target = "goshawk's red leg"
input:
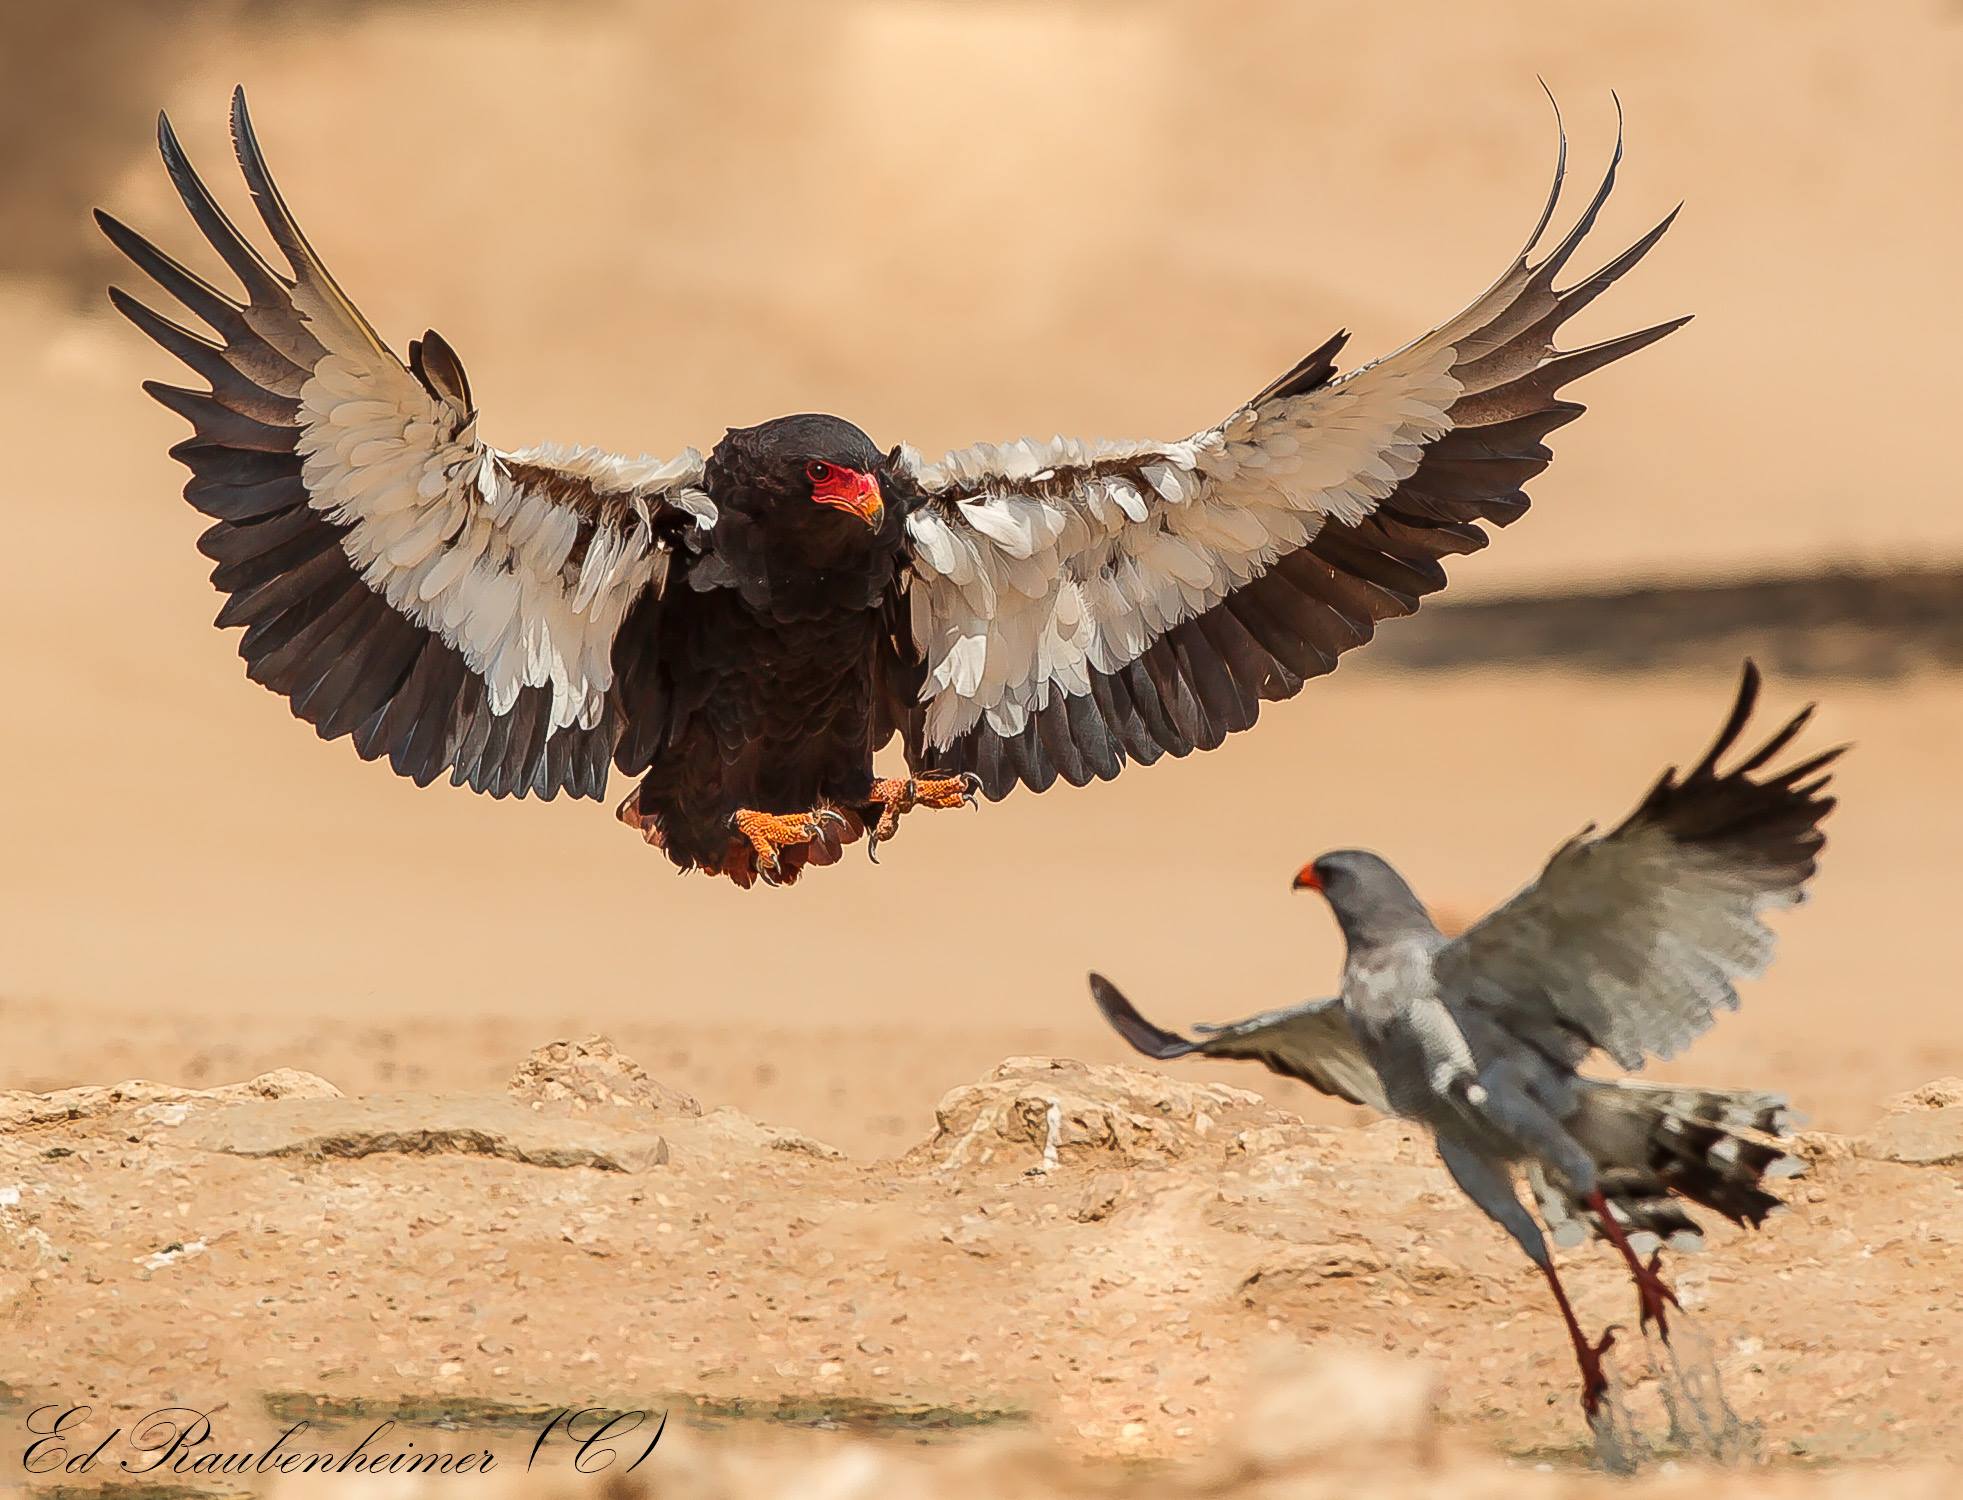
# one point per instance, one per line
(1651, 1293)
(1587, 1355)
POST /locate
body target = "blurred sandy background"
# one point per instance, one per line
(952, 221)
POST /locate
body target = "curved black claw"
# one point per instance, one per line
(971, 784)
(894, 797)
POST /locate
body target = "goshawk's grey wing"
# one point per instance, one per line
(1633, 941)
(450, 606)
(1312, 1042)
(1075, 606)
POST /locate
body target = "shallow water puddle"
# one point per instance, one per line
(463, 1414)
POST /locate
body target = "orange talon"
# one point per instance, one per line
(894, 795)
(773, 836)
(946, 791)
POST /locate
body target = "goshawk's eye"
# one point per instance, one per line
(817, 471)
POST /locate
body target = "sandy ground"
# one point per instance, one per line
(949, 222)
(1126, 1267)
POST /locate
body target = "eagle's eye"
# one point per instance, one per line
(817, 471)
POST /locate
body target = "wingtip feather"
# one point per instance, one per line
(1559, 255)
(1123, 1016)
(1735, 721)
(1560, 176)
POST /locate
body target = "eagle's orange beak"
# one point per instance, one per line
(1306, 879)
(851, 491)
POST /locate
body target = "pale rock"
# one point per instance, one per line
(1039, 1112)
(594, 1073)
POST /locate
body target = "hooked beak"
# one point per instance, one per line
(1306, 879)
(854, 493)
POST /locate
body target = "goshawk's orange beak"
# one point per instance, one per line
(1306, 879)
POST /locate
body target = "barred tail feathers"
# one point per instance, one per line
(1654, 1144)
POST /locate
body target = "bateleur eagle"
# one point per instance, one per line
(742, 632)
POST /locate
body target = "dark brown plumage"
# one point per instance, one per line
(758, 692)
(743, 632)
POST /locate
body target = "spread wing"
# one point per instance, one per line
(1633, 941)
(1079, 605)
(449, 606)
(1312, 1042)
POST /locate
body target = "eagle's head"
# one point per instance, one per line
(812, 503)
(812, 477)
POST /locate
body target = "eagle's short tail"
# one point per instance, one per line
(1654, 1143)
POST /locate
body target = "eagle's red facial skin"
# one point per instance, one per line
(845, 489)
(1306, 879)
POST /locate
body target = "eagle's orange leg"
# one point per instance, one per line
(895, 795)
(774, 836)
(1652, 1294)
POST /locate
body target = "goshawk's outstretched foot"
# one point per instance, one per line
(1594, 1383)
(1652, 1293)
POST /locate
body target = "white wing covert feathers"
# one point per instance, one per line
(1078, 605)
(1632, 942)
(448, 605)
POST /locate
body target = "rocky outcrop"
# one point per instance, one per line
(22, 1111)
(1922, 1128)
(594, 1074)
(1036, 1113)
